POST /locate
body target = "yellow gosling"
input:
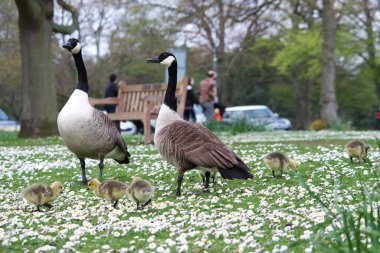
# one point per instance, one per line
(141, 192)
(205, 180)
(357, 149)
(41, 194)
(111, 190)
(277, 162)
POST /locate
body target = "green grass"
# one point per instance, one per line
(293, 214)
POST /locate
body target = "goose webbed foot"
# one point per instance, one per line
(147, 203)
(203, 181)
(179, 182)
(351, 159)
(207, 183)
(115, 204)
(48, 205)
(101, 167)
(83, 167)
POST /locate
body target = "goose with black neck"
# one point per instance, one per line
(188, 145)
(85, 130)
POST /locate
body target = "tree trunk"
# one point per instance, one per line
(221, 53)
(328, 96)
(371, 46)
(38, 87)
(302, 97)
(39, 100)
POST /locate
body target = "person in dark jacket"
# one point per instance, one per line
(191, 99)
(111, 90)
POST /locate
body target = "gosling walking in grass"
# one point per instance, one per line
(141, 192)
(357, 149)
(41, 194)
(111, 190)
(212, 175)
(277, 162)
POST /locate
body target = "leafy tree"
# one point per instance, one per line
(299, 59)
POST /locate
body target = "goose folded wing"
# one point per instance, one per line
(102, 127)
(199, 146)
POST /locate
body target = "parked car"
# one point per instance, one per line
(257, 115)
(7, 124)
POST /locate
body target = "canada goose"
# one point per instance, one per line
(203, 173)
(108, 189)
(358, 149)
(140, 191)
(41, 194)
(188, 145)
(277, 162)
(86, 131)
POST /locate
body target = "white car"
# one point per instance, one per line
(258, 115)
(7, 124)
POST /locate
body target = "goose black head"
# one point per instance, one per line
(73, 46)
(164, 58)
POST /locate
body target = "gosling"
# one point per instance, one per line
(111, 190)
(140, 191)
(203, 174)
(277, 162)
(358, 149)
(41, 194)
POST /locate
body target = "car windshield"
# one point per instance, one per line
(233, 115)
(258, 113)
(3, 116)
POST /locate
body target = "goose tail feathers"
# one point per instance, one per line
(238, 171)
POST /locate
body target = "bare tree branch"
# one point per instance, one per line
(67, 29)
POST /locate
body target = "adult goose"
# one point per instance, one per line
(86, 131)
(188, 145)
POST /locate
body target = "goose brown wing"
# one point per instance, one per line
(197, 145)
(106, 128)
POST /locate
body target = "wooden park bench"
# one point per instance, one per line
(142, 102)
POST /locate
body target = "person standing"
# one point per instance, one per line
(191, 99)
(207, 94)
(111, 90)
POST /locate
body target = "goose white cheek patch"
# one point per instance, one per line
(76, 49)
(168, 61)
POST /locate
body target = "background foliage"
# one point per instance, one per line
(261, 64)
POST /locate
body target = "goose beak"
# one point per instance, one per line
(67, 46)
(153, 60)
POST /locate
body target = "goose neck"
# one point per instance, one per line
(82, 73)
(170, 99)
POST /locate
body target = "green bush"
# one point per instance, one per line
(238, 126)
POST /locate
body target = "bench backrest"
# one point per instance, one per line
(131, 98)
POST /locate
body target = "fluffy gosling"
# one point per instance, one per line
(358, 149)
(277, 162)
(111, 190)
(41, 194)
(203, 174)
(141, 192)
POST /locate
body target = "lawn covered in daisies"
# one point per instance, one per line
(258, 215)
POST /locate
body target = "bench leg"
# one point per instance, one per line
(147, 133)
